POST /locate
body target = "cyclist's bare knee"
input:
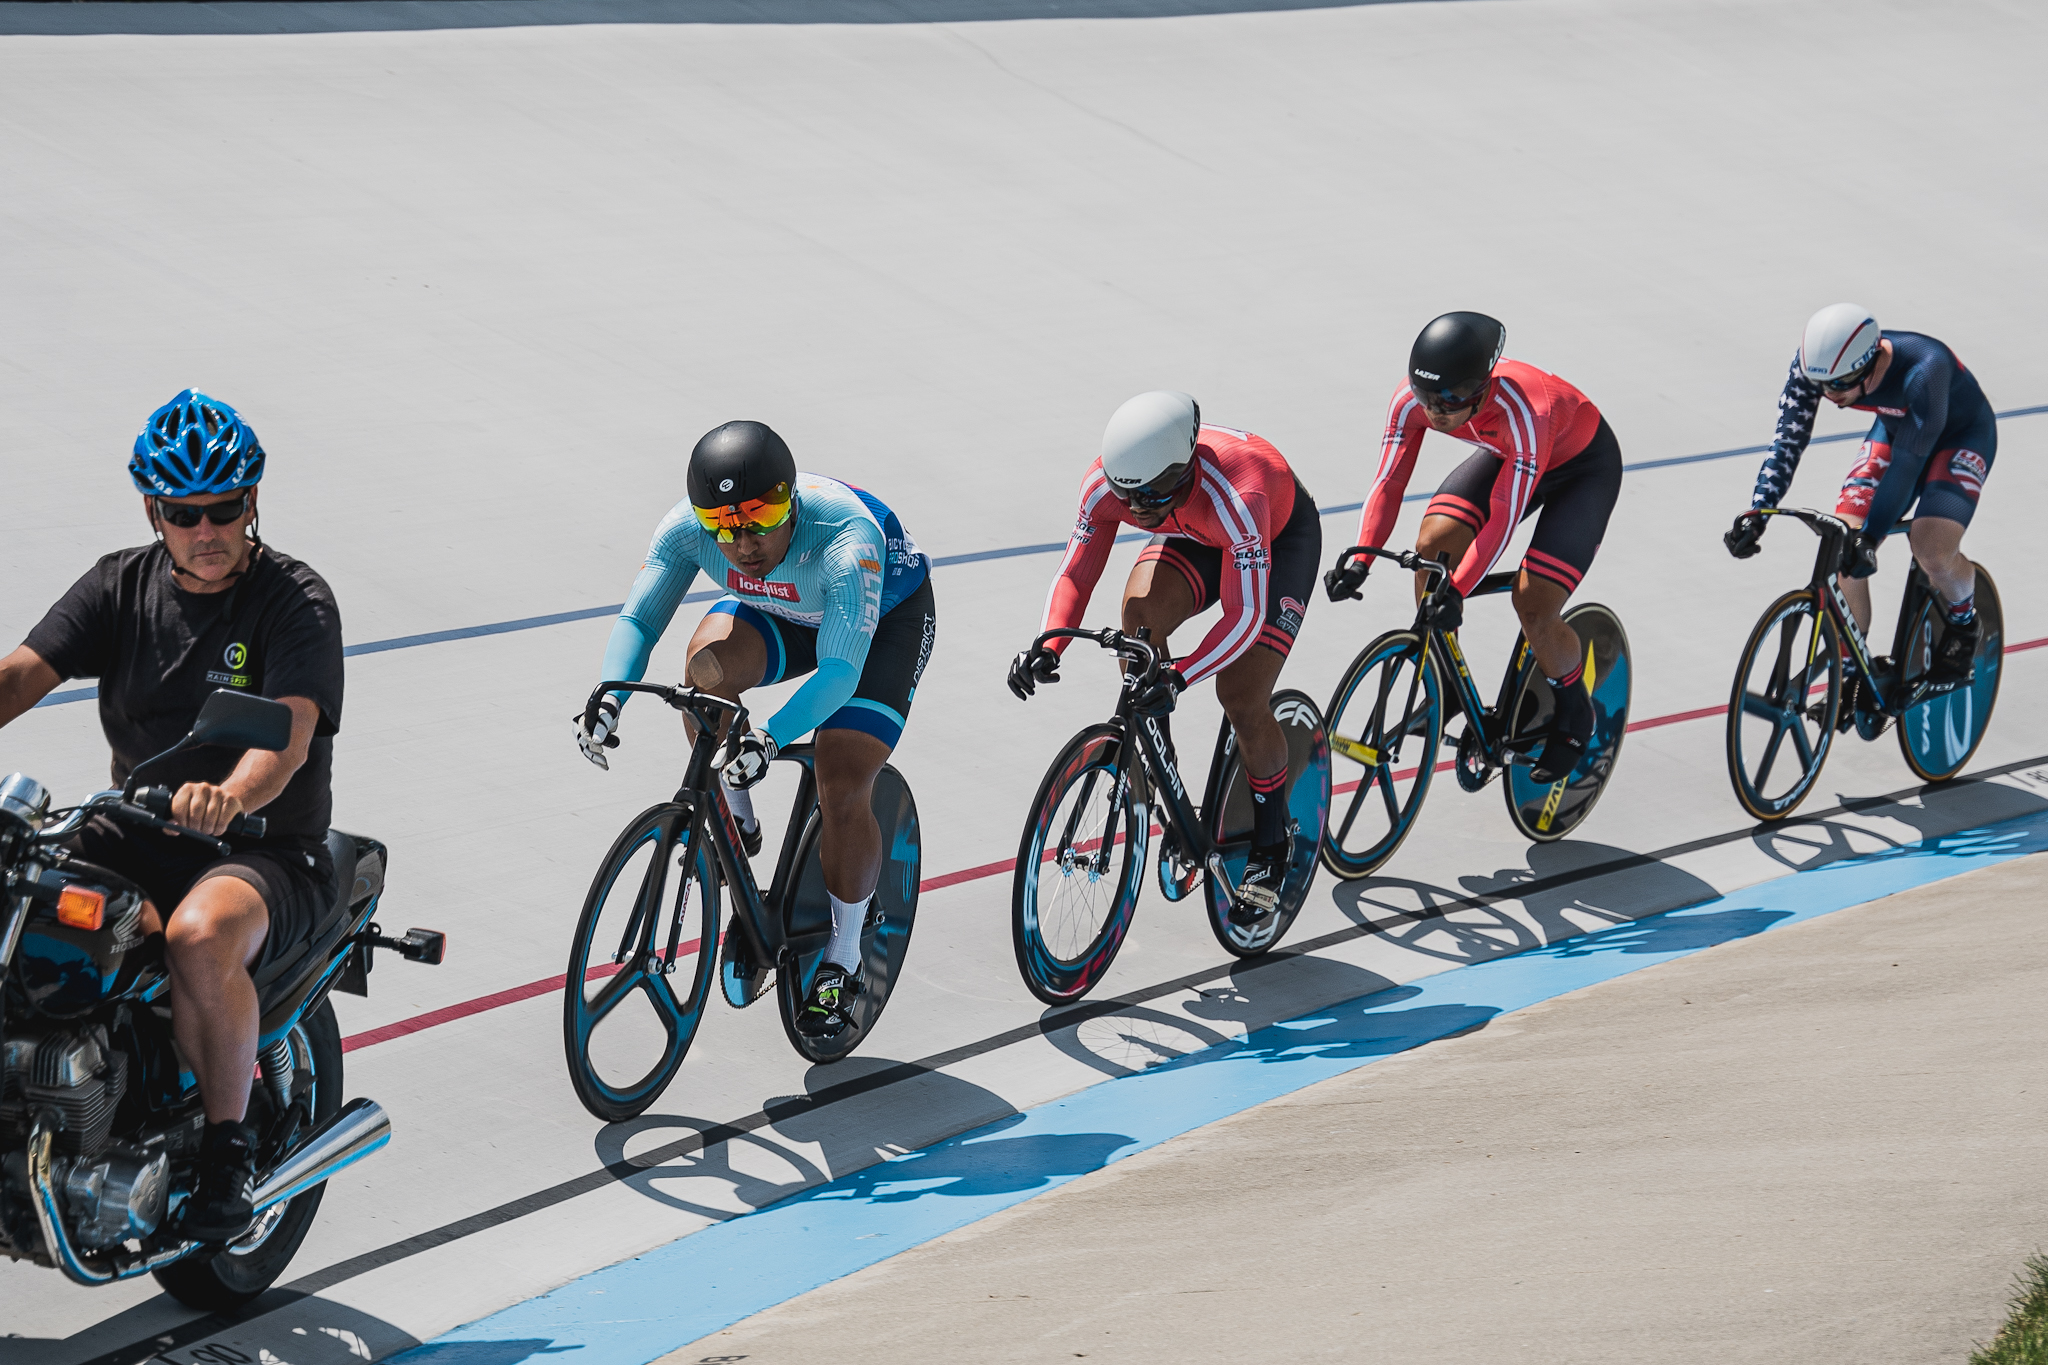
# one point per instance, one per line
(1444, 539)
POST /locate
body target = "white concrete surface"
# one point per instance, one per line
(480, 288)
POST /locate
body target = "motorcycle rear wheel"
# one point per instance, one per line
(215, 1281)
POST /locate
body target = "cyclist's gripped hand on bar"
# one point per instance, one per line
(1445, 607)
(1744, 537)
(1345, 580)
(1036, 665)
(594, 737)
(1159, 695)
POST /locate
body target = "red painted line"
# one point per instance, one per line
(448, 1014)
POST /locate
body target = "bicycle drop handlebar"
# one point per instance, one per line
(1143, 653)
(1407, 559)
(705, 708)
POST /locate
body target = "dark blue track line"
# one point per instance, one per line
(442, 637)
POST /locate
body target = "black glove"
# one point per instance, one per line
(1345, 580)
(1742, 539)
(1034, 666)
(1158, 696)
(1859, 556)
(1445, 607)
(750, 760)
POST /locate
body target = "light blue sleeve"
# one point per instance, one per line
(668, 573)
(852, 569)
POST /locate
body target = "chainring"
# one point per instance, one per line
(1473, 771)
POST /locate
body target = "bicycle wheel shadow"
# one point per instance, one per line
(1940, 812)
(1563, 893)
(807, 1140)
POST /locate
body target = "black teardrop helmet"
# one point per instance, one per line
(739, 462)
(1454, 357)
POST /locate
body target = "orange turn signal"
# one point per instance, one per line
(81, 908)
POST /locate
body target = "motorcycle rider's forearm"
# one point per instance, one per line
(261, 776)
(24, 680)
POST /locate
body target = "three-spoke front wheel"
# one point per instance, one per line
(1384, 729)
(641, 964)
(1781, 714)
(1078, 868)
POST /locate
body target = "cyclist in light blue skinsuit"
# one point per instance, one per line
(821, 580)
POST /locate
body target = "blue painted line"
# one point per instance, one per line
(638, 1310)
(438, 637)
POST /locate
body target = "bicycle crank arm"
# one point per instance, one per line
(1219, 875)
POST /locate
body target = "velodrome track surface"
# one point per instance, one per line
(480, 287)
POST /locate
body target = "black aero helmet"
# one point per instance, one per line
(1453, 358)
(741, 475)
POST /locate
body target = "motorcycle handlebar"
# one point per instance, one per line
(157, 801)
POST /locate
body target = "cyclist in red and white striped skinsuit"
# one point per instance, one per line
(1233, 526)
(1540, 444)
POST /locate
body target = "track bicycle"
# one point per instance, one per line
(1388, 714)
(1082, 861)
(1793, 681)
(650, 923)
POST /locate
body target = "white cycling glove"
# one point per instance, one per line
(593, 740)
(756, 752)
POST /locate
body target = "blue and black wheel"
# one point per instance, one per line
(1079, 869)
(1544, 811)
(1939, 735)
(1385, 724)
(641, 964)
(885, 938)
(1230, 821)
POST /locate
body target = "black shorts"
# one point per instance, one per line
(295, 886)
(1576, 497)
(1297, 558)
(902, 646)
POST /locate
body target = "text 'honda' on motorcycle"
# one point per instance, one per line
(100, 1119)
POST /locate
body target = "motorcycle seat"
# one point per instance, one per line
(281, 978)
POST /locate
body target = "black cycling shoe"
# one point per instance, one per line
(1955, 658)
(750, 839)
(223, 1206)
(1571, 727)
(829, 1008)
(1258, 890)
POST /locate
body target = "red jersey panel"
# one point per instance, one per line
(1243, 495)
(1532, 420)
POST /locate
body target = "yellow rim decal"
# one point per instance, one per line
(1592, 670)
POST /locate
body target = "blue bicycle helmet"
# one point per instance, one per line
(195, 445)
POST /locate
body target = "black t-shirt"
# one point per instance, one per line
(160, 651)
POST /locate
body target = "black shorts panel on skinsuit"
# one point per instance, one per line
(1576, 497)
(880, 705)
(295, 886)
(1297, 558)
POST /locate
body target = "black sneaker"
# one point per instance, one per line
(829, 1009)
(1955, 658)
(223, 1206)
(1571, 727)
(1258, 890)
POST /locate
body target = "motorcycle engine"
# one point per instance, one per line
(112, 1191)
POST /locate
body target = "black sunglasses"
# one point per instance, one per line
(1150, 497)
(185, 515)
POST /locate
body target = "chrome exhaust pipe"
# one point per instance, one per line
(359, 1129)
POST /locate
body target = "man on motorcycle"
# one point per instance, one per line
(1233, 526)
(822, 579)
(206, 605)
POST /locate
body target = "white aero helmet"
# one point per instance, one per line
(1840, 340)
(1148, 445)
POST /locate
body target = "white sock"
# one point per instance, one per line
(847, 920)
(740, 801)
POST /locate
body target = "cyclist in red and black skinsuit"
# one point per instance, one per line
(1541, 443)
(1234, 527)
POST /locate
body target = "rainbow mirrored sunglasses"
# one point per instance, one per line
(759, 515)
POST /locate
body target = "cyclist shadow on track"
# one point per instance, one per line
(1524, 908)
(1941, 814)
(809, 1138)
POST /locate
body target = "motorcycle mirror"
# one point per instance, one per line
(231, 719)
(238, 720)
